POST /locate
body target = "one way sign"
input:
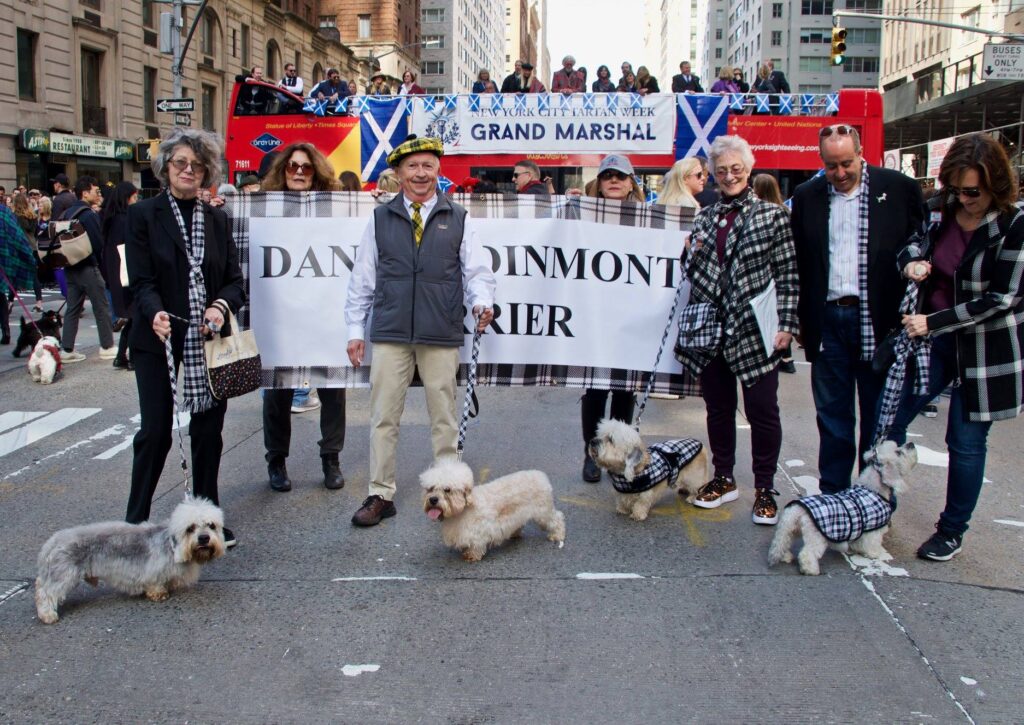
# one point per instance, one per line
(1003, 62)
(176, 105)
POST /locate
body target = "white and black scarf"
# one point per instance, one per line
(197, 396)
(867, 329)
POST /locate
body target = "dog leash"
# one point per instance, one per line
(171, 373)
(20, 302)
(470, 387)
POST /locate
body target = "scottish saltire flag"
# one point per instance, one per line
(497, 102)
(806, 102)
(786, 104)
(832, 103)
(736, 101)
(612, 100)
(521, 102)
(450, 102)
(636, 101)
(543, 101)
(444, 184)
(588, 101)
(762, 103)
(341, 106)
(382, 126)
(474, 102)
(700, 120)
(309, 105)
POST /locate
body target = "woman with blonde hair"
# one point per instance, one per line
(682, 183)
(725, 84)
(645, 82)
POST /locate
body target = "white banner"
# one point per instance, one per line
(498, 123)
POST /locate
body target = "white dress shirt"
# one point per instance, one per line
(843, 245)
(292, 84)
(477, 277)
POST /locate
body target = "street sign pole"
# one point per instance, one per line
(176, 72)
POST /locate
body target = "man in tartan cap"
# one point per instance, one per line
(417, 264)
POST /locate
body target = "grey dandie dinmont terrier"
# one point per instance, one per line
(150, 559)
(853, 520)
(476, 517)
(641, 474)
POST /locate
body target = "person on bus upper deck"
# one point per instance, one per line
(531, 84)
(627, 67)
(483, 83)
(526, 177)
(567, 80)
(849, 226)
(330, 88)
(777, 77)
(628, 83)
(291, 81)
(737, 78)
(686, 82)
(513, 82)
(645, 82)
(409, 87)
(724, 85)
(377, 86)
(255, 99)
(603, 82)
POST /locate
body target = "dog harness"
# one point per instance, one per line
(844, 516)
(667, 460)
(55, 351)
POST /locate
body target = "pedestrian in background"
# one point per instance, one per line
(513, 81)
(682, 183)
(710, 194)
(527, 179)
(737, 79)
(182, 261)
(409, 87)
(970, 263)
(625, 68)
(63, 197)
(115, 234)
(628, 83)
(482, 84)
(29, 222)
(739, 247)
(301, 167)
(17, 262)
(767, 189)
(349, 181)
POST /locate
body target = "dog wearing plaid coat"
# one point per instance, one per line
(855, 520)
(641, 475)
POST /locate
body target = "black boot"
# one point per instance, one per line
(591, 472)
(279, 476)
(333, 477)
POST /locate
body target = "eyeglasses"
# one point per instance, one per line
(698, 174)
(971, 192)
(294, 167)
(34, 193)
(618, 175)
(198, 167)
(840, 130)
(517, 174)
(726, 170)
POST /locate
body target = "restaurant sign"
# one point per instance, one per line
(63, 143)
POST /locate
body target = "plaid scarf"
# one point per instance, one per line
(16, 257)
(196, 396)
(867, 330)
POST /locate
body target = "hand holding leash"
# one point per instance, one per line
(162, 325)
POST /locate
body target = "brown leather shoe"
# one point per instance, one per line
(374, 509)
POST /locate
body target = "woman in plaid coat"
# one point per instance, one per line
(970, 259)
(739, 246)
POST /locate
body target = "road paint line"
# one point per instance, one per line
(794, 463)
(874, 567)
(14, 418)
(39, 429)
(13, 591)
(106, 433)
(599, 576)
(111, 452)
(1009, 522)
(810, 485)
(356, 670)
(375, 579)
(969, 681)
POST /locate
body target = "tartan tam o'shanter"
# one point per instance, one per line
(415, 145)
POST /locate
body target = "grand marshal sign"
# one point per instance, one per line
(42, 141)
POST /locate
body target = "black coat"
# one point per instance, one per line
(778, 80)
(158, 268)
(679, 84)
(116, 231)
(511, 84)
(895, 214)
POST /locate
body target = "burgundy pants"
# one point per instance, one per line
(761, 404)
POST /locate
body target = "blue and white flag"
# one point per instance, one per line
(521, 101)
(762, 103)
(786, 104)
(497, 101)
(383, 126)
(736, 101)
(450, 102)
(832, 103)
(566, 100)
(700, 120)
(543, 101)
(636, 101)
(806, 102)
(341, 106)
(444, 183)
(612, 100)
(588, 101)
(474, 102)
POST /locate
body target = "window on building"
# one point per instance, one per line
(433, 42)
(208, 35)
(814, 64)
(718, 53)
(327, 21)
(94, 115)
(813, 88)
(245, 47)
(864, 36)
(776, 10)
(864, 6)
(432, 15)
(149, 80)
(364, 27)
(27, 43)
(148, 16)
(718, 33)
(859, 64)
(432, 67)
(816, 36)
(816, 7)
(209, 107)
(298, 64)
(776, 38)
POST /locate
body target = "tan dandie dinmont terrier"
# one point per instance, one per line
(640, 474)
(150, 559)
(854, 520)
(474, 518)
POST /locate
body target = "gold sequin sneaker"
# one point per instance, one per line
(715, 492)
(766, 511)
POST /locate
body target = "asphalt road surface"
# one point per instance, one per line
(677, 619)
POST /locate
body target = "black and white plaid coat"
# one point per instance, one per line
(988, 317)
(667, 460)
(759, 248)
(844, 516)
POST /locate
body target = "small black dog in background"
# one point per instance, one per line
(49, 323)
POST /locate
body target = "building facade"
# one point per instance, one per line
(524, 35)
(384, 35)
(670, 36)
(465, 37)
(89, 74)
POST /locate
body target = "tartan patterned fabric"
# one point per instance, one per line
(867, 330)
(667, 460)
(846, 515)
(759, 248)
(417, 222)
(16, 257)
(415, 146)
(246, 210)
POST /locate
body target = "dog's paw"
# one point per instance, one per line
(48, 617)
(638, 515)
(809, 569)
(472, 555)
(157, 595)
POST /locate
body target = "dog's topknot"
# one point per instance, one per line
(447, 471)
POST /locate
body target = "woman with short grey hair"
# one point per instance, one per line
(740, 247)
(184, 277)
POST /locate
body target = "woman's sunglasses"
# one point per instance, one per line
(971, 192)
(605, 176)
(294, 167)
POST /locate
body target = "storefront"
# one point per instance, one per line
(44, 154)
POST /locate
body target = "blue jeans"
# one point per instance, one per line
(839, 378)
(300, 396)
(966, 440)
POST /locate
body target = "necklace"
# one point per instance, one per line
(722, 222)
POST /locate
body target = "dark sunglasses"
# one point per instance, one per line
(840, 130)
(698, 174)
(605, 175)
(294, 167)
(971, 192)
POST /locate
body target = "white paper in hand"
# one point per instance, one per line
(766, 312)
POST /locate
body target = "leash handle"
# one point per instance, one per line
(470, 386)
(172, 375)
(661, 349)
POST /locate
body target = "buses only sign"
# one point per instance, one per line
(1003, 62)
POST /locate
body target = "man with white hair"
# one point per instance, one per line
(568, 80)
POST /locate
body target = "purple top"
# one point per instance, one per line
(724, 86)
(949, 250)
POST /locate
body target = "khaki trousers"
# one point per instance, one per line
(391, 371)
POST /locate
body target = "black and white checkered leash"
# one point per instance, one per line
(470, 386)
(172, 376)
(661, 349)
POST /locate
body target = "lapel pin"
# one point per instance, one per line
(881, 198)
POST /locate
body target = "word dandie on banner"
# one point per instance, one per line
(584, 288)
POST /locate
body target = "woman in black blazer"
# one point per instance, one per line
(182, 263)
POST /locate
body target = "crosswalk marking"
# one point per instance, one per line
(15, 418)
(126, 443)
(42, 427)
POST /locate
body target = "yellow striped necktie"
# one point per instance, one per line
(417, 222)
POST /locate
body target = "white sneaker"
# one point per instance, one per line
(312, 403)
(71, 357)
(108, 353)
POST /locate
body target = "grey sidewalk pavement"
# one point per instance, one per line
(312, 620)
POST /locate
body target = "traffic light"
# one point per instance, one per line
(838, 46)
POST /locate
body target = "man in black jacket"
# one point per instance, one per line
(513, 82)
(63, 198)
(686, 82)
(777, 78)
(848, 226)
(84, 279)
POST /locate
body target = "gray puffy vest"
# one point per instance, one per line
(418, 298)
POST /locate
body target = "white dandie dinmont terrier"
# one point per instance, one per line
(476, 517)
(854, 520)
(44, 362)
(150, 559)
(641, 475)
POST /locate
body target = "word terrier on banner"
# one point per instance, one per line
(584, 288)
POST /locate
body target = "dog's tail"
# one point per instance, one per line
(780, 549)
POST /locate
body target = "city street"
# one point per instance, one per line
(675, 619)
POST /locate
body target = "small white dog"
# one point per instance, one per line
(854, 520)
(641, 475)
(44, 362)
(150, 559)
(476, 517)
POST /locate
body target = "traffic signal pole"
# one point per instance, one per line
(924, 21)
